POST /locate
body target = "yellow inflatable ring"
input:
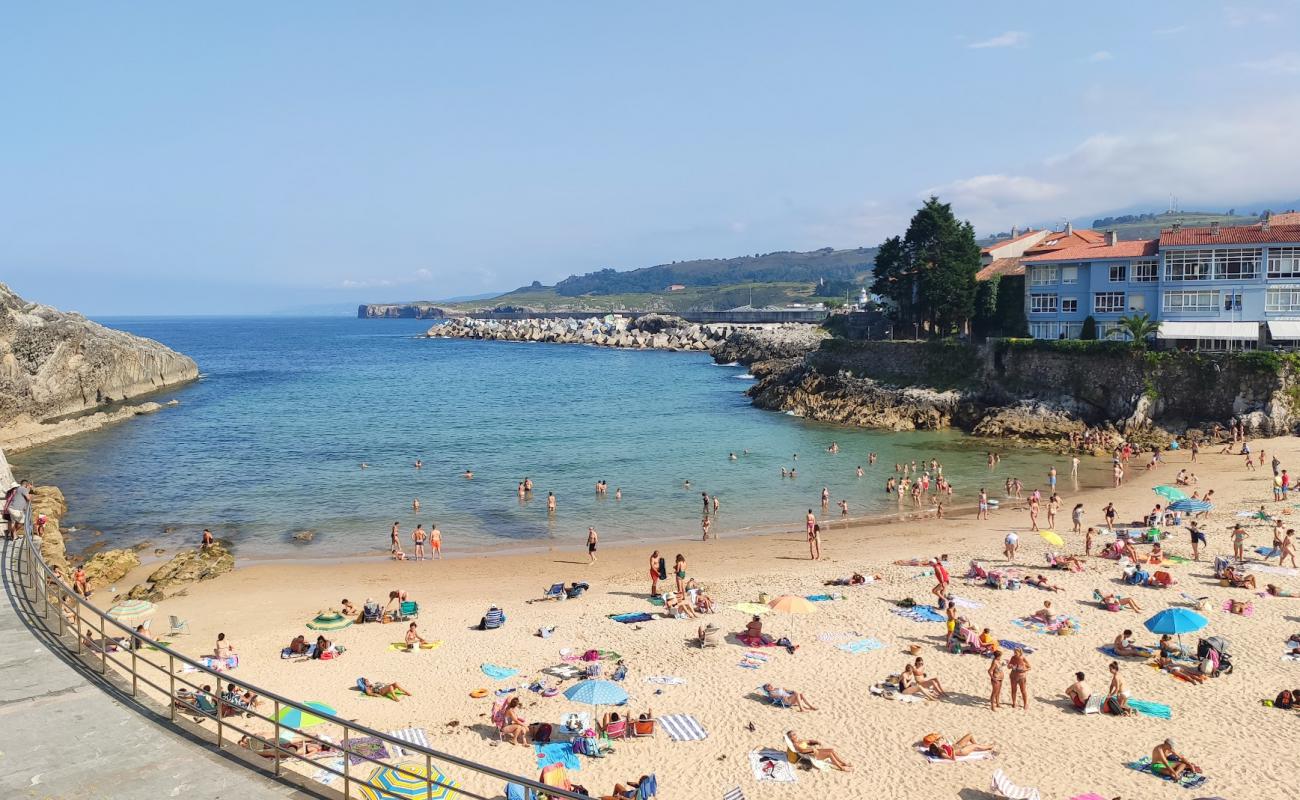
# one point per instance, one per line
(478, 693)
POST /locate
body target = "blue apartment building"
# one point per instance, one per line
(1212, 288)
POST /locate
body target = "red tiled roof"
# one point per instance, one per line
(999, 267)
(1012, 240)
(1059, 240)
(1249, 234)
(1286, 218)
(1094, 252)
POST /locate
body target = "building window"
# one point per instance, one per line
(1069, 274)
(1144, 271)
(1118, 273)
(1189, 265)
(1237, 264)
(1071, 330)
(1070, 305)
(1282, 300)
(1112, 330)
(1108, 303)
(1044, 330)
(1042, 304)
(1191, 302)
(1042, 276)
(1232, 301)
(1284, 262)
(1222, 345)
(1137, 302)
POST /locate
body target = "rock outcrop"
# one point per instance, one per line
(183, 569)
(55, 364)
(401, 311)
(48, 500)
(106, 568)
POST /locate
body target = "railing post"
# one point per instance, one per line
(277, 738)
(347, 760)
(76, 608)
(171, 684)
(135, 668)
(428, 776)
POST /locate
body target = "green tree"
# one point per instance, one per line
(1088, 332)
(1138, 327)
(930, 273)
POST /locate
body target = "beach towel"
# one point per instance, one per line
(362, 747)
(656, 601)
(1003, 787)
(683, 728)
(400, 647)
(1274, 570)
(498, 673)
(563, 671)
(751, 608)
(558, 753)
(919, 614)
(636, 616)
(752, 660)
(1291, 657)
(1268, 552)
(1143, 652)
(823, 598)
(890, 693)
(1189, 780)
(962, 602)
(770, 765)
(1012, 646)
(835, 636)
(860, 646)
(212, 663)
(754, 641)
(936, 760)
(666, 680)
(325, 776)
(1059, 625)
(1089, 796)
(1247, 611)
(416, 736)
(1148, 708)
(734, 792)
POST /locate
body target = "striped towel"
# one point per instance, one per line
(1003, 787)
(860, 646)
(734, 794)
(416, 736)
(962, 602)
(666, 680)
(683, 728)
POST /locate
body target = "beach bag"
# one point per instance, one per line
(591, 655)
(663, 570)
(541, 732)
(9, 499)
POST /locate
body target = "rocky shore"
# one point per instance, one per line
(647, 332)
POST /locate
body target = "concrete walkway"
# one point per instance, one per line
(64, 735)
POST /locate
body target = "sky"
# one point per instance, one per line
(184, 158)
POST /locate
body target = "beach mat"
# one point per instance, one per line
(860, 646)
(415, 736)
(628, 619)
(498, 673)
(1189, 780)
(880, 690)
(1148, 708)
(557, 752)
(683, 728)
(1144, 652)
(1038, 626)
(1013, 646)
(562, 671)
(664, 680)
(919, 614)
(772, 766)
(400, 647)
(823, 598)
(362, 746)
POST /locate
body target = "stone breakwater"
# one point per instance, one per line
(647, 332)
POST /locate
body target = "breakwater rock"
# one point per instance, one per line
(646, 332)
(54, 364)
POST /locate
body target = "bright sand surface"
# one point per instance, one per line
(1242, 745)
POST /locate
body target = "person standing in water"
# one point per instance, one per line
(704, 526)
(415, 505)
(704, 497)
(394, 545)
(550, 502)
(592, 538)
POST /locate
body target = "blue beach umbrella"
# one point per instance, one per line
(297, 718)
(1176, 621)
(1170, 493)
(1189, 506)
(596, 693)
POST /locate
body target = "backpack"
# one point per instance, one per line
(9, 499)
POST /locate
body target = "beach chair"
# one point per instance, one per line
(616, 730)
(516, 792)
(409, 609)
(711, 635)
(556, 592)
(795, 757)
(775, 700)
(178, 625)
(643, 727)
(372, 613)
(646, 789)
(1002, 786)
(1161, 579)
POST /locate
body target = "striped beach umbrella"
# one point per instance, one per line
(297, 718)
(1191, 506)
(408, 780)
(329, 621)
(132, 612)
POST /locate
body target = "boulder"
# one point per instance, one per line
(106, 568)
(183, 569)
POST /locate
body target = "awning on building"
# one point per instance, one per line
(1208, 330)
(1284, 328)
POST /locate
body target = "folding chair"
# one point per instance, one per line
(178, 625)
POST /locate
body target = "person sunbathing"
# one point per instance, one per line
(940, 747)
(1170, 650)
(298, 746)
(754, 632)
(1184, 671)
(389, 690)
(704, 603)
(627, 791)
(789, 697)
(1078, 692)
(1041, 582)
(1044, 614)
(1114, 602)
(299, 645)
(856, 579)
(918, 672)
(1277, 591)
(816, 750)
(348, 610)
(1157, 555)
(674, 604)
(1238, 580)
(1125, 646)
(1166, 761)
(908, 684)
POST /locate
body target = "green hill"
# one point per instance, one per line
(1148, 226)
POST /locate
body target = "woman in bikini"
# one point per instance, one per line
(996, 674)
(679, 567)
(1019, 677)
(1117, 695)
(940, 747)
(654, 573)
(918, 671)
(907, 684)
(819, 751)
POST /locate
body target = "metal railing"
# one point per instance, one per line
(155, 676)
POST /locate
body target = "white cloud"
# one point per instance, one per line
(1008, 39)
(422, 275)
(1239, 17)
(1101, 55)
(1280, 64)
(1172, 31)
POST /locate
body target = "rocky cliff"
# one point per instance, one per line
(401, 311)
(55, 364)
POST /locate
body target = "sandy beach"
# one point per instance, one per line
(1221, 725)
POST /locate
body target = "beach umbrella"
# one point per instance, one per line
(1052, 538)
(297, 718)
(1176, 621)
(1170, 493)
(132, 612)
(596, 693)
(752, 608)
(792, 604)
(388, 783)
(1189, 506)
(329, 621)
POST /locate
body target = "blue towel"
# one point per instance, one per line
(498, 673)
(1268, 552)
(1189, 779)
(1010, 645)
(820, 598)
(860, 646)
(1148, 708)
(557, 752)
(627, 619)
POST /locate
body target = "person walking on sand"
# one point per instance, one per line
(1033, 513)
(1087, 541)
(418, 537)
(1288, 548)
(1019, 666)
(1076, 516)
(996, 674)
(395, 544)
(592, 538)
(984, 505)
(1198, 540)
(435, 540)
(1053, 506)
(1239, 542)
(815, 543)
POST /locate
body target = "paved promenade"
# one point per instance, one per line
(62, 735)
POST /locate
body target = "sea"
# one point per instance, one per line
(271, 441)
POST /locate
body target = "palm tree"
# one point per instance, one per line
(1138, 327)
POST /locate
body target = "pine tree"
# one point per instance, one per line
(930, 273)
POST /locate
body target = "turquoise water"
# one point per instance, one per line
(270, 442)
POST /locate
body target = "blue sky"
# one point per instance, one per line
(250, 157)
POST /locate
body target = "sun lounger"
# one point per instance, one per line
(774, 699)
(178, 625)
(409, 609)
(643, 727)
(797, 758)
(1002, 786)
(556, 592)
